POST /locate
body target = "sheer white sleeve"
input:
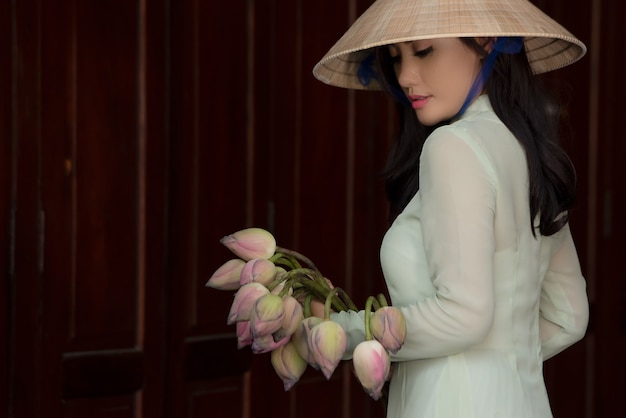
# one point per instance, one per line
(458, 196)
(564, 307)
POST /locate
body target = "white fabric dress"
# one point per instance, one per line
(485, 302)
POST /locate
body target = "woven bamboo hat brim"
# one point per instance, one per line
(548, 44)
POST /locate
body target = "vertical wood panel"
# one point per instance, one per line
(610, 320)
(91, 197)
(323, 157)
(182, 208)
(25, 280)
(208, 200)
(58, 188)
(277, 117)
(104, 314)
(221, 151)
(6, 178)
(157, 188)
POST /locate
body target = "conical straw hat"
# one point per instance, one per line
(548, 44)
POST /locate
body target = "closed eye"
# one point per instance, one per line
(424, 52)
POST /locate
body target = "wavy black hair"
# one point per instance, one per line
(524, 105)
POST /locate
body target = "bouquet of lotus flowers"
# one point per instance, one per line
(283, 304)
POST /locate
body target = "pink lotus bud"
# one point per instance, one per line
(327, 344)
(300, 338)
(288, 364)
(227, 276)
(388, 326)
(267, 315)
(266, 343)
(244, 336)
(251, 243)
(293, 316)
(258, 270)
(371, 364)
(244, 300)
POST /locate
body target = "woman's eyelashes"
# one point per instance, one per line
(396, 56)
(424, 52)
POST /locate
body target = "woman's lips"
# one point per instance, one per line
(418, 102)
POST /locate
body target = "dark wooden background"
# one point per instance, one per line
(135, 134)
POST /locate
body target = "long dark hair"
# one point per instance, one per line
(524, 106)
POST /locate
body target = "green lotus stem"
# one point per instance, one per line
(343, 301)
(317, 276)
(297, 256)
(382, 300)
(324, 294)
(299, 291)
(313, 280)
(375, 304)
(293, 277)
(275, 283)
(346, 299)
(368, 313)
(312, 274)
(302, 272)
(329, 301)
(300, 279)
(289, 283)
(284, 260)
(307, 305)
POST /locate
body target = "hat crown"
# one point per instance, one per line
(548, 44)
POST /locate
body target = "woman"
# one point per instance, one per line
(479, 256)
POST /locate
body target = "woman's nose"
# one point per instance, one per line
(407, 74)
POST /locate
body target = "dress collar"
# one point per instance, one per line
(480, 104)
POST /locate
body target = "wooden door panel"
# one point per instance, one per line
(101, 213)
(209, 199)
(609, 364)
(106, 373)
(104, 310)
(7, 144)
(26, 218)
(91, 189)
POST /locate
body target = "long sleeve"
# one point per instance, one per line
(564, 307)
(458, 195)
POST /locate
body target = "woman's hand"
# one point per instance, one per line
(317, 306)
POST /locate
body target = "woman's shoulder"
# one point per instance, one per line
(481, 130)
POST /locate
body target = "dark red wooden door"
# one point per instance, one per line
(87, 207)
